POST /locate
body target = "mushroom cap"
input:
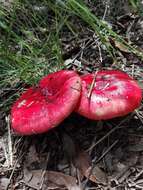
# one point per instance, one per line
(114, 94)
(42, 108)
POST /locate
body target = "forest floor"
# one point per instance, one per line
(80, 153)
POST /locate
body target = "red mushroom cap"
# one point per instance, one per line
(41, 108)
(114, 94)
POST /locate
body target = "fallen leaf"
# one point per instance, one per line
(135, 148)
(82, 161)
(61, 179)
(100, 175)
(32, 177)
(84, 164)
(51, 179)
(121, 46)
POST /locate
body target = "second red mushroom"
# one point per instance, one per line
(114, 94)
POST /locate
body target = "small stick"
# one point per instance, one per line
(11, 175)
(9, 142)
(92, 85)
(106, 152)
(105, 136)
(138, 115)
(138, 175)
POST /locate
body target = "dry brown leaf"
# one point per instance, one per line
(32, 177)
(121, 47)
(84, 164)
(61, 179)
(82, 161)
(135, 148)
(52, 179)
(100, 175)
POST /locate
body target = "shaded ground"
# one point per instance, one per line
(81, 154)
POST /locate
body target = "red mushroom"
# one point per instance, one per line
(42, 108)
(114, 94)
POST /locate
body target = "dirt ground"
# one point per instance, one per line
(80, 153)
